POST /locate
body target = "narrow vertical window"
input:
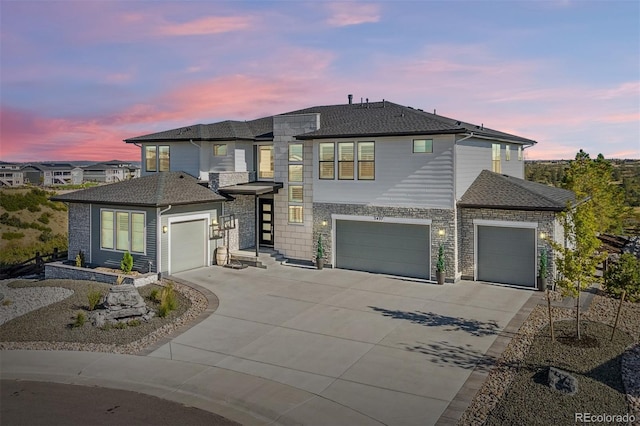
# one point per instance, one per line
(150, 158)
(295, 214)
(295, 193)
(122, 231)
(345, 160)
(495, 157)
(295, 173)
(265, 162)
(163, 158)
(106, 229)
(137, 232)
(326, 154)
(507, 152)
(366, 160)
(519, 153)
(296, 152)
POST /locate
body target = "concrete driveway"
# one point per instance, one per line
(351, 347)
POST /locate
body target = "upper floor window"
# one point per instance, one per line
(507, 152)
(519, 153)
(265, 161)
(495, 158)
(326, 153)
(366, 160)
(422, 145)
(156, 158)
(220, 150)
(345, 160)
(296, 152)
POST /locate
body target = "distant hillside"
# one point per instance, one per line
(29, 222)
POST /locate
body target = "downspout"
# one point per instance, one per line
(159, 240)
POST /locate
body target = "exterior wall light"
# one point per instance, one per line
(215, 231)
(165, 229)
(324, 223)
(543, 235)
(441, 232)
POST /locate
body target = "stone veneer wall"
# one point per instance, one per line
(243, 208)
(546, 221)
(440, 219)
(58, 270)
(293, 240)
(222, 179)
(80, 238)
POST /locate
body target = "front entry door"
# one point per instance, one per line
(266, 221)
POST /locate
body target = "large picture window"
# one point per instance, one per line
(327, 157)
(345, 160)
(366, 160)
(122, 231)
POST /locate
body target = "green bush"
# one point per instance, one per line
(120, 325)
(12, 235)
(134, 323)
(80, 262)
(93, 297)
(155, 295)
(80, 320)
(168, 300)
(44, 218)
(624, 275)
(127, 262)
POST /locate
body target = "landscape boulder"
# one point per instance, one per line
(562, 381)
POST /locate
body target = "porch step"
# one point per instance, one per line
(267, 257)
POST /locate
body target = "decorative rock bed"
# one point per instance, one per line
(62, 271)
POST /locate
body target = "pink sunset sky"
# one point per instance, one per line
(78, 77)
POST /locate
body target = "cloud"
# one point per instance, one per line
(206, 26)
(350, 13)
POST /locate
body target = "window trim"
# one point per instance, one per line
(114, 231)
(425, 151)
(220, 145)
(332, 161)
(352, 161)
(373, 162)
(154, 148)
(295, 206)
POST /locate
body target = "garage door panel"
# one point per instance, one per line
(506, 255)
(388, 248)
(188, 245)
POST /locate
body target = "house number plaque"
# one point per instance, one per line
(378, 218)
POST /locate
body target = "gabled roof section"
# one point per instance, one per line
(156, 190)
(496, 191)
(337, 121)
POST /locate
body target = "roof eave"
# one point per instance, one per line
(380, 134)
(525, 208)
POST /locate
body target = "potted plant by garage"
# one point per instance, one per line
(320, 254)
(543, 269)
(440, 265)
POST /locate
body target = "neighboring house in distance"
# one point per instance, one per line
(60, 174)
(383, 184)
(10, 174)
(129, 170)
(110, 171)
(162, 218)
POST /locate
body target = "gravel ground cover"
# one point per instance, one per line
(49, 327)
(503, 393)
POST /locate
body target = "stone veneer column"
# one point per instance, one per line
(292, 239)
(80, 238)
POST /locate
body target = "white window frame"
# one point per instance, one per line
(130, 231)
(413, 146)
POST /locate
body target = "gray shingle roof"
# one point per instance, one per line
(156, 190)
(494, 190)
(346, 120)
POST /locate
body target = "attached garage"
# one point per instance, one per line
(506, 254)
(188, 245)
(383, 247)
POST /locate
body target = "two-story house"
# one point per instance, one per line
(10, 174)
(383, 185)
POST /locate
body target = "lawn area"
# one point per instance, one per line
(594, 360)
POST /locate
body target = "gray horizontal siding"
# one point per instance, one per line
(402, 178)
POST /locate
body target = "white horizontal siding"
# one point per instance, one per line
(472, 157)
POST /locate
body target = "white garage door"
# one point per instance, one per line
(188, 246)
(388, 248)
(507, 255)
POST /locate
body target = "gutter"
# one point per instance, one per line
(159, 239)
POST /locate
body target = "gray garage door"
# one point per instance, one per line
(188, 245)
(387, 248)
(507, 255)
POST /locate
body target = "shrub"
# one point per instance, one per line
(44, 218)
(127, 262)
(120, 325)
(624, 275)
(134, 323)
(80, 319)
(7, 302)
(440, 263)
(155, 295)
(45, 236)
(93, 297)
(168, 301)
(12, 235)
(80, 259)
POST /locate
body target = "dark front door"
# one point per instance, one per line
(266, 221)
